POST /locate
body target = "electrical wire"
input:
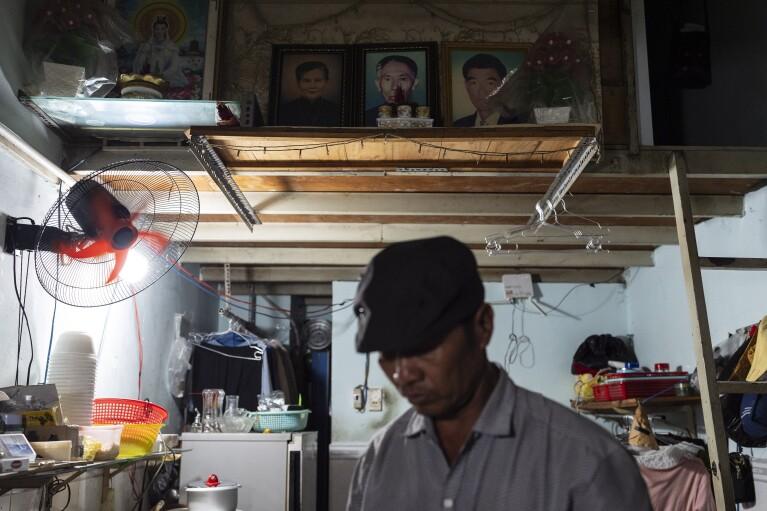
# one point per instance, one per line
(55, 299)
(29, 331)
(240, 304)
(145, 488)
(22, 307)
(184, 272)
(553, 310)
(140, 344)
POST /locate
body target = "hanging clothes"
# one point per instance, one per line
(236, 370)
(283, 370)
(676, 478)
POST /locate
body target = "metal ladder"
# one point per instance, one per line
(710, 388)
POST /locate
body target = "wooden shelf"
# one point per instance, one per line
(742, 387)
(601, 406)
(517, 147)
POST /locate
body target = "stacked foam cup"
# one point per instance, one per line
(73, 371)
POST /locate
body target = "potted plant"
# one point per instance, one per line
(558, 70)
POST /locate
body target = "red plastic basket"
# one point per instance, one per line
(627, 386)
(127, 411)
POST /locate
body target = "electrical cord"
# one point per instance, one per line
(233, 302)
(55, 300)
(23, 310)
(29, 331)
(145, 488)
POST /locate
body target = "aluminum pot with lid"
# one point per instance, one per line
(212, 495)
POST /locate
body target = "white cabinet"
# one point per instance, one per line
(277, 471)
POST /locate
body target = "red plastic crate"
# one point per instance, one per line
(631, 385)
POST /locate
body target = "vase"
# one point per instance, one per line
(552, 115)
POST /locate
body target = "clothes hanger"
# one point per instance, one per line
(539, 230)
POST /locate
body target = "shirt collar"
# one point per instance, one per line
(495, 418)
(492, 119)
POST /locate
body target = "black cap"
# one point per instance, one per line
(413, 293)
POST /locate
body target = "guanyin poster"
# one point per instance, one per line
(169, 43)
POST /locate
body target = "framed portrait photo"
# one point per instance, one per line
(175, 40)
(395, 73)
(471, 71)
(311, 85)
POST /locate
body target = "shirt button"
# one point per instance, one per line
(447, 503)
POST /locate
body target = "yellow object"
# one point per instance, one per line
(759, 363)
(90, 448)
(584, 386)
(138, 439)
(641, 434)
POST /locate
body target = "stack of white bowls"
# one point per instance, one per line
(73, 370)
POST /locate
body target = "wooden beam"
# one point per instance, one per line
(447, 204)
(361, 256)
(336, 180)
(310, 274)
(733, 161)
(733, 263)
(742, 387)
(390, 233)
(709, 393)
(497, 220)
(323, 289)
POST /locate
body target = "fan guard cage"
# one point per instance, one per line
(167, 203)
(318, 334)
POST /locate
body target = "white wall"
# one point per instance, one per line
(23, 193)
(658, 313)
(599, 309)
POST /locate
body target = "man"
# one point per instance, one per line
(396, 78)
(472, 440)
(482, 74)
(310, 109)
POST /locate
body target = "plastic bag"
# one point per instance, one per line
(178, 360)
(80, 34)
(555, 82)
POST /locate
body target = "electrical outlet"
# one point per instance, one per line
(375, 399)
(357, 401)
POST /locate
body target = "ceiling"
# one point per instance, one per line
(329, 199)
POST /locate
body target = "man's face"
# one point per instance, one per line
(480, 82)
(312, 84)
(440, 382)
(395, 75)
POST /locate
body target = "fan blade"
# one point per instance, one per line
(95, 249)
(120, 257)
(156, 241)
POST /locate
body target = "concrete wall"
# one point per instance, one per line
(658, 313)
(599, 309)
(23, 193)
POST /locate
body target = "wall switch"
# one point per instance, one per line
(375, 399)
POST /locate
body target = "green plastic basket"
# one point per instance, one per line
(278, 422)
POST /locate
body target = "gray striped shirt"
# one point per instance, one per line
(526, 453)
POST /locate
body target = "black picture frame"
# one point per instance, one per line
(369, 93)
(314, 105)
(458, 108)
